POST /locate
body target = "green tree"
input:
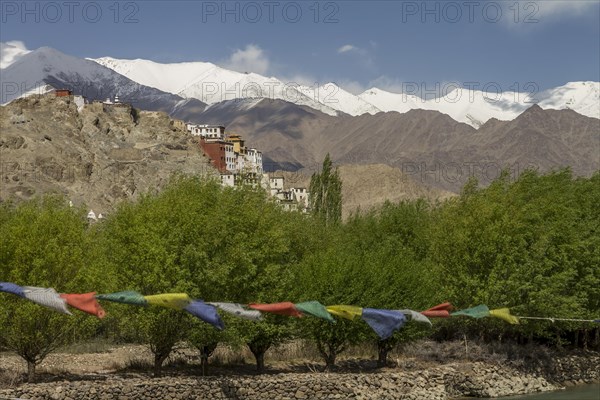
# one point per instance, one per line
(214, 243)
(530, 245)
(326, 193)
(146, 248)
(328, 275)
(43, 242)
(387, 250)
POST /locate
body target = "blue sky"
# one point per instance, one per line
(357, 44)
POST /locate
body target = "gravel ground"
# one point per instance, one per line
(111, 360)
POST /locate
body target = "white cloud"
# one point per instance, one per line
(300, 79)
(525, 16)
(353, 87)
(16, 43)
(250, 59)
(388, 84)
(573, 7)
(11, 51)
(346, 48)
(363, 56)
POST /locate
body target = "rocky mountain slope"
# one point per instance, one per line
(97, 156)
(102, 154)
(428, 146)
(365, 187)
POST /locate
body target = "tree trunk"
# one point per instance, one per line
(31, 371)
(205, 352)
(330, 360)
(158, 361)
(259, 354)
(383, 349)
(383, 354)
(260, 362)
(329, 353)
(204, 364)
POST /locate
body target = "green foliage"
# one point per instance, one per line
(212, 243)
(531, 245)
(43, 242)
(375, 260)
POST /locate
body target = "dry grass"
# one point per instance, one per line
(10, 378)
(90, 347)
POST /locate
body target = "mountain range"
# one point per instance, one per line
(428, 146)
(212, 84)
(440, 142)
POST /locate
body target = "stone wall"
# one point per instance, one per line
(455, 380)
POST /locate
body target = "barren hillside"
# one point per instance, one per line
(368, 186)
(98, 155)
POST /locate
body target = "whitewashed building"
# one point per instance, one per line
(275, 185)
(208, 132)
(231, 159)
(301, 196)
(254, 162)
(228, 180)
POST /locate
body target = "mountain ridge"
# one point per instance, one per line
(35, 70)
(473, 107)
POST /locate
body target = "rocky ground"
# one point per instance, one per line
(112, 375)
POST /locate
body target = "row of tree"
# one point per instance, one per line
(532, 245)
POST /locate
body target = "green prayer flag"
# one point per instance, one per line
(315, 309)
(127, 297)
(480, 311)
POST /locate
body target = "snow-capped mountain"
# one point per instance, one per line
(475, 107)
(337, 98)
(581, 97)
(47, 68)
(210, 83)
(184, 88)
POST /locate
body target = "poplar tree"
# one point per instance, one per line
(326, 193)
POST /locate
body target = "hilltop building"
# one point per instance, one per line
(291, 199)
(229, 154)
(240, 164)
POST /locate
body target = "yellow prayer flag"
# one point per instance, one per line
(504, 313)
(348, 312)
(177, 301)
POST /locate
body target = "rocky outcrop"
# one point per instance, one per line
(97, 155)
(455, 380)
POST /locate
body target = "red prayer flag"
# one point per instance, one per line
(439, 311)
(85, 302)
(284, 308)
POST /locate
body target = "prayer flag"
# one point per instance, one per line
(383, 322)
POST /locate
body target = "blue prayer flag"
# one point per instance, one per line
(206, 313)
(383, 322)
(12, 289)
